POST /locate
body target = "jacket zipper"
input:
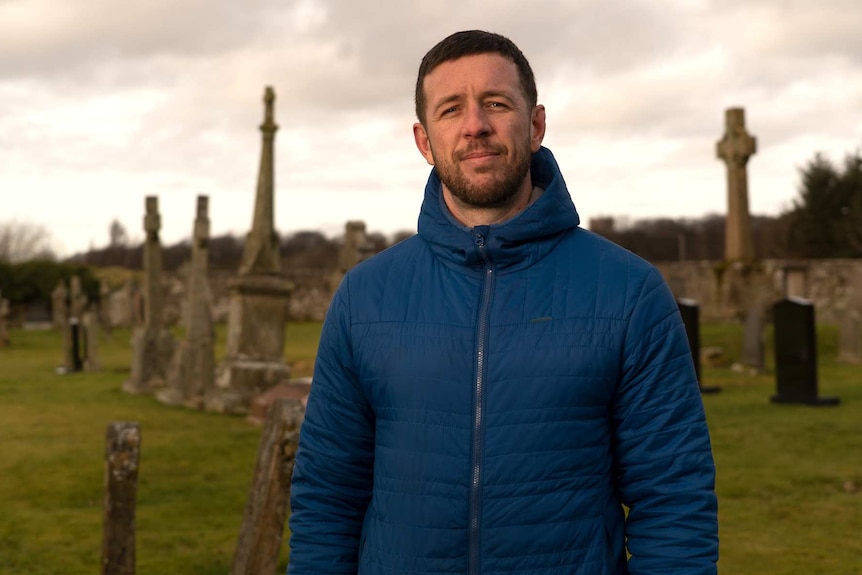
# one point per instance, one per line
(479, 407)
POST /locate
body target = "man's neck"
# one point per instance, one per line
(471, 216)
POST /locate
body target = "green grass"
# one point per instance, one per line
(195, 471)
(783, 506)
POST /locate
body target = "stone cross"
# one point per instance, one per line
(735, 148)
(153, 344)
(152, 264)
(261, 251)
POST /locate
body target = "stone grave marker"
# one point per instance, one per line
(735, 148)
(59, 306)
(690, 312)
(849, 340)
(4, 322)
(796, 354)
(266, 509)
(752, 338)
(192, 371)
(122, 461)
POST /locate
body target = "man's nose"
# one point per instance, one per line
(476, 123)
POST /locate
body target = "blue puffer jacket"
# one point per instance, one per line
(486, 400)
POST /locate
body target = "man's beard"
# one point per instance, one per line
(495, 193)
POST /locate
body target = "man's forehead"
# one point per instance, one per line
(490, 67)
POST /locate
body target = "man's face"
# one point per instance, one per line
(479, 130)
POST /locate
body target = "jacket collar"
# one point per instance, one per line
(514, 244)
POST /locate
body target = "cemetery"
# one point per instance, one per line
(153, 431)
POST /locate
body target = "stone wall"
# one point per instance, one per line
(724, 291)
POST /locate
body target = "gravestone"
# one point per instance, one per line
(4, 322)
(849, 340)
(192, 371)
(104, 306)
(796, 354)
(77, 299)
(354, 250)
(152, 344)
(735, 148)
(752, 337)
(59, 306)
(268, 499)
(122, 461)
(91, 327)
(690, 312)
(257, 316)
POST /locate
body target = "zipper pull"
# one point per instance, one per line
(480, 239)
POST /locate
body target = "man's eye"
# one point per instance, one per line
(495, 104)
(450, 110)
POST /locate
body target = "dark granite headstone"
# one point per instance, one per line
(796, 354)
(690, 312)
(77, 343)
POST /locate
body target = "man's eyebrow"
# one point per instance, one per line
(486, 94)
(446, 100)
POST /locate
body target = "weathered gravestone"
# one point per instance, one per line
(267, 505)
(690, 312)
(796, 354)
(153, 344)
(354, 250)
(192, 371)
(122, 460)
(752, 338)
(735, 148)
(257, 317)
(91, 327)
(59, 306)
(849, 340)
(4, 319)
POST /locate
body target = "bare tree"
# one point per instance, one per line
(24, 241)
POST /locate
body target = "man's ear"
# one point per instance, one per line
(537, 128)
(423, 144)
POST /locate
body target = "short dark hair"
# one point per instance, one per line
(469, 43)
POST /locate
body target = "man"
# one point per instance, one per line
(490, 393)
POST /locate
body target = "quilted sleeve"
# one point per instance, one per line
(332, 477)
(663, 457)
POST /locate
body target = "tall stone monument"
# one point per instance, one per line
(257, 316)
(735, 148)
(152, 343)
(192, 371)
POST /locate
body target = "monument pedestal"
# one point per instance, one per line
(255, 343)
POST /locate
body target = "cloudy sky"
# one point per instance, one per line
(103, 103)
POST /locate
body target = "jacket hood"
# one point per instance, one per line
(514, 244)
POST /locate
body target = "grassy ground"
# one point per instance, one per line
(786, 474)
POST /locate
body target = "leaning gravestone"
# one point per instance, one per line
(796, 354)
(690, 312)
